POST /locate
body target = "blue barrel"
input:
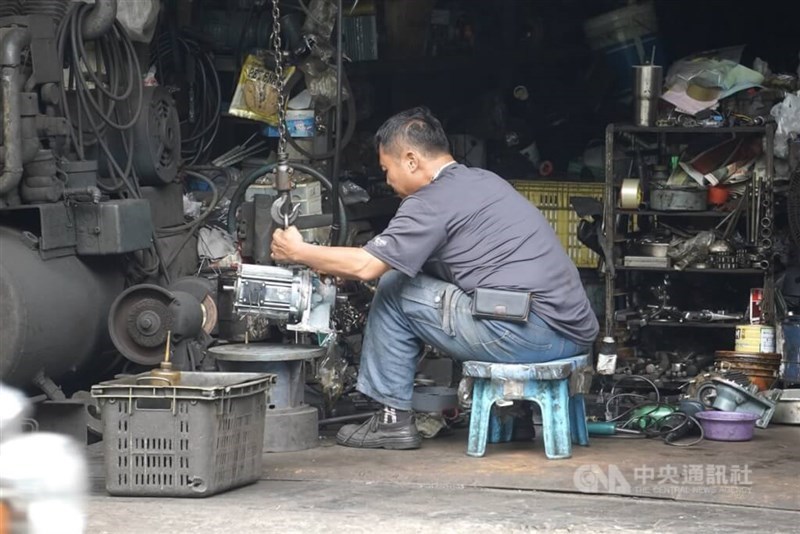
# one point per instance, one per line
(791, 350)
(626, 37)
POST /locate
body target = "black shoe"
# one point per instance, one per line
(372, 434)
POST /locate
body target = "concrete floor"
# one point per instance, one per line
(439, 489)
(329, 507)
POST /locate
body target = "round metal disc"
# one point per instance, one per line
(210, 314)
(266, 352)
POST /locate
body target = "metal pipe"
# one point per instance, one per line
(14, 40)
(100, 19)
(337, 146)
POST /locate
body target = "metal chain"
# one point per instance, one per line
(276, 47)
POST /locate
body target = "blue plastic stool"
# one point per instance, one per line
(548, 384)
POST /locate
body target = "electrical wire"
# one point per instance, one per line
(106, 83)
(200, 124)
(646, 422)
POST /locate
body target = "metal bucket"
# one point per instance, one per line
(761, 368)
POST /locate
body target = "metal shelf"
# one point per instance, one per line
(690, 324)
(710, 213)
(610, 210)
(682, 129)
(689, 270)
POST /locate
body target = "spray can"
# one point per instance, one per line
(607, 357)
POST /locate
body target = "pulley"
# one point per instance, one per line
(142, 315)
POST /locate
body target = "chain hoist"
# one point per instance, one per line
(282, 210)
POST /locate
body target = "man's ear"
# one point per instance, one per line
(411, 161)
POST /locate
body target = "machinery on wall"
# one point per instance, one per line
(98, 265)
(89, 157)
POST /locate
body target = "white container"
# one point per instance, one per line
(755, 338)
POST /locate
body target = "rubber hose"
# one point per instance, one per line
(247, 181)
(348, 134)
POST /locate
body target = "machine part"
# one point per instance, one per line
(291, 425)
(100, 19)
(284, 216)
(142, 316)
(157, 138)
(55, 9)
(14, 40)
(646, 261)
(296, 296)
(787, 412)
(678, 199)
(653, 249)
(708, 315)
(732, 397)
(64, 297)
(113, 227)
(238, 196)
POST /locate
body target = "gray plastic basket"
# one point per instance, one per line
(195, 439)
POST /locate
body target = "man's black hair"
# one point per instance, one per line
(417, 127)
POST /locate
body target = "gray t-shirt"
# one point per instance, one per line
(471, 228)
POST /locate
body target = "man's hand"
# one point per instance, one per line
(353, 263)
(286, 245)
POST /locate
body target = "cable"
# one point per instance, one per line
(192, 225)
(109, 94)
(173, 56)
(665, 434)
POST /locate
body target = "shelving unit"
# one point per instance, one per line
(612, 211)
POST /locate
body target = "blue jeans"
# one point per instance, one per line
(409, 312)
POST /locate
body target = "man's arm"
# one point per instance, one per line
(344, 262)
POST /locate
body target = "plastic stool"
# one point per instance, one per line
(547, 384)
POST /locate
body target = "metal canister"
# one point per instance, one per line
(646, 92)
(755, 338)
